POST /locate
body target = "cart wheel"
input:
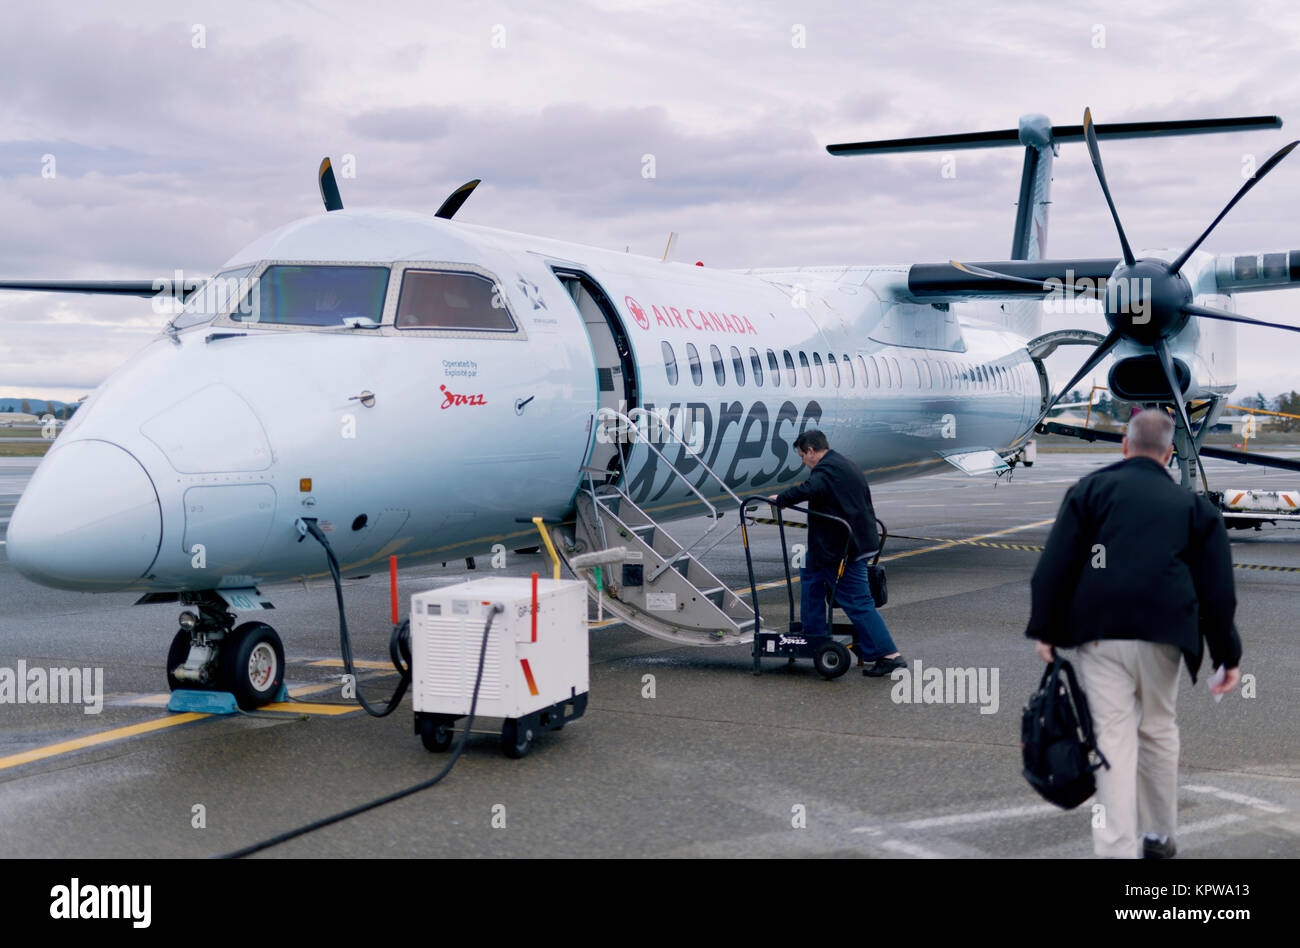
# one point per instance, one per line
(516, 742)
(436, 732)
(831, 660)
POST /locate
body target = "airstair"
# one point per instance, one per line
(636, 570)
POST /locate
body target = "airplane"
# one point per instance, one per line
(410, 385)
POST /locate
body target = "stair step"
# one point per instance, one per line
(718, 591)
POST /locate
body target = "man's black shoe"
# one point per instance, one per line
(883, 666)
(1155, 848)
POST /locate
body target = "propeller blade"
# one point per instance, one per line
(1047, 287)
(329, 188)
(1167, 363)
(1091, 135)
(456, 199)
(1210, 313)
(1263, 169)
(1103, 349)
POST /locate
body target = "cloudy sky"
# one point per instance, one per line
(181, 131)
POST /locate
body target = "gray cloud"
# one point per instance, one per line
(171, 156)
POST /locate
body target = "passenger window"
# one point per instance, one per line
(789, 367)
(697, 370)
(807, 370)
(670, 363)
(436, 299)
(738, 363)
(773, 369)
(821, 372)
(719, 367)
(835, 369)
(875, 371)
(756, 363)
(927, 378)
(848, 370)
(898, 373)
(317, 296)
(914, 375)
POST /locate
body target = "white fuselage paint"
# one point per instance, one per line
(227, 428)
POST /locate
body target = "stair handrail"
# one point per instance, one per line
(651, 445)
(664, 425)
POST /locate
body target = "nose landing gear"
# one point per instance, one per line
(211, 653)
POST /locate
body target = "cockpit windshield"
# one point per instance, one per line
(213, 298)
(315, 296)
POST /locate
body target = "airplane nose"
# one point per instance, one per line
(88, 520)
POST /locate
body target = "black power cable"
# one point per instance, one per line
(399, 645)
(399, 650)
(424, 785)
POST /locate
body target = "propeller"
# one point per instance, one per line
(329, 188)
(456, 199)
(1148, 301)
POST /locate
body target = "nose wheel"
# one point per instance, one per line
(251, 664)
(247, 660)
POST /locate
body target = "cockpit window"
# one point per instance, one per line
(213, 298)
(435, 299)
(316, 296)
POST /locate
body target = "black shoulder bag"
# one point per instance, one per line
(876, 572)
(1057, 739)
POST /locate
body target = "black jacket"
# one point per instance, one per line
(835, 486)
(1132, 555)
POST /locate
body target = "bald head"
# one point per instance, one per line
(1150, 435)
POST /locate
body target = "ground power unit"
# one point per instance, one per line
(535, 671)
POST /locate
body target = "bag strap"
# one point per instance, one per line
(884, 535)
(1081, 711)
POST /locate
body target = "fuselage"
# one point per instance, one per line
(429, 428)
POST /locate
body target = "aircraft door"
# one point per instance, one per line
(615, 366)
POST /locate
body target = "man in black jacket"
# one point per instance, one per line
(1136, 571)
(837, 487)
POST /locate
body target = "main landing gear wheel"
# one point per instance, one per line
(252, 664)
(436, 733)
(831, 660)
(516, 740)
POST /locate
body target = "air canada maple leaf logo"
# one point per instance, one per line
(638, 313)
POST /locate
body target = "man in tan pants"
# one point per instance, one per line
(1136, 572)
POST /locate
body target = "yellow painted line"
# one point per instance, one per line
(314, 689)
(338, 663)
(947, 544)
(307, 707)
(92, 740)
(160, 700)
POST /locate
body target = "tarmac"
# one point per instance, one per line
(683, 752)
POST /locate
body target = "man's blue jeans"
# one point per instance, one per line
(853, 595)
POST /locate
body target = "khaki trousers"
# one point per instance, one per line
(1131, 687)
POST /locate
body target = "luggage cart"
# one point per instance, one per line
(829, 656)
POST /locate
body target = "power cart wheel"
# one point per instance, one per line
(436, 732)
(252, 664)
(516, 740)
(831, 660)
